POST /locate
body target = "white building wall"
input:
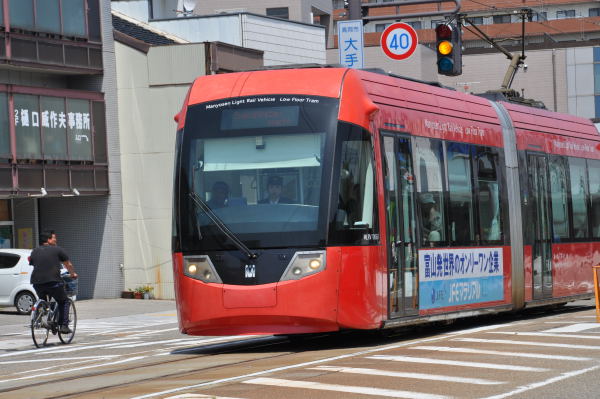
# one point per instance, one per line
(137, 9)
(580, 78)
(148, 100)
(223, 28)
(299, 10)
(545, 79)
(283, 42)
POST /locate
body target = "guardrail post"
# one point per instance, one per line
(596, 270)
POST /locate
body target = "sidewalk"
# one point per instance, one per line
(98, 308)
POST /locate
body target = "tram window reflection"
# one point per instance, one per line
(559, 196)
(578, 176)
(429, 154)
(461, 215)
(356, 215)
(594, 174)
(489, 195)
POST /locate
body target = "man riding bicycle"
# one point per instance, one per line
(45, 278)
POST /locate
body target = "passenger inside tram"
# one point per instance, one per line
(432, 219)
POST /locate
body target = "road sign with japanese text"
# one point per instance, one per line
(399, 41)
(350, 43)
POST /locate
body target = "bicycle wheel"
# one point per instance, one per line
(39, 323)
(72, 317)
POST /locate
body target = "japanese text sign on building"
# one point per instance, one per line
(350, 43)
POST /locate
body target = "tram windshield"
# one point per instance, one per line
(258, 163)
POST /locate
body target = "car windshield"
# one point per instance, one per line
(259, 169)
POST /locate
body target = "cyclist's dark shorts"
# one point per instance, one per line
(54, 289)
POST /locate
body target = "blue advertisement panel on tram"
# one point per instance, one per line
(453, 277)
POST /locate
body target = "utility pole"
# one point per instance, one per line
(354, 9)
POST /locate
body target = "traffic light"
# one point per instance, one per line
(449, 49)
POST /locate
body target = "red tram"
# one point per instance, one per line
(318, 199)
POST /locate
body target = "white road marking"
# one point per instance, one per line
(410, 359)
(60, 349)
(197, 396)
(548, 334)
(499, 353)
(418, 376)
(315, 362)
(60, 359)
(389, 393)
(64, 371)
(536, 385)
(527, 343)
(574, 328)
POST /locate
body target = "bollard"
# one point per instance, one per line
(596, 270)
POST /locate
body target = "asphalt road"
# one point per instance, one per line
(543, 354)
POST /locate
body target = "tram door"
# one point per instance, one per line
(400, 209)
(542, 234)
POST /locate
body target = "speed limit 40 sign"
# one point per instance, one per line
(399, 41)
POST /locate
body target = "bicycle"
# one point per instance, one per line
(44, 318)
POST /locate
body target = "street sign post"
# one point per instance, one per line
(350, 43)
(399, 41)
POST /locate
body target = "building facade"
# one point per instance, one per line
(159, 54)
(59, 144)
(154, 72)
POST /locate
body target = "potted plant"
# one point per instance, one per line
(127, 294)
(147, 289)
(138, 293)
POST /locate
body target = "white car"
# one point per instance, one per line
(15, 273)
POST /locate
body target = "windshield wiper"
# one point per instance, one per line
(219, 223)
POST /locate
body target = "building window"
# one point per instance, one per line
(561, 14)
(539, 16)
(594, 12)
(476, 20)
(279, 12)
(51, 16)
(501, 19)
(597, 81)
(436, 22)
(414, 24)
(380, 27)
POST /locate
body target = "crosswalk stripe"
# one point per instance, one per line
(528, 343)
(197, 396)
(551, 333)
(390, 393)
(419, 376)
(511, 354)
(411, 359)
(577, 327)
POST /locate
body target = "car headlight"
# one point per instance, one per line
(200, 268)
(304, 264)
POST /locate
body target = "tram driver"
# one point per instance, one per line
(219, 195)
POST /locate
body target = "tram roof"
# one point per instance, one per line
(384, 89)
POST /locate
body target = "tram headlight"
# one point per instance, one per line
(200, 268)
(304, 264)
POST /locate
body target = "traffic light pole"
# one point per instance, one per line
(367, 6)
(516, 60)
(354, 9)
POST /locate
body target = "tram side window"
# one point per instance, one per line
(460, 191)
(578, 176)
(594, 173)
(428, 168)
(490, 216)
(559, 196)
(356, 214)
